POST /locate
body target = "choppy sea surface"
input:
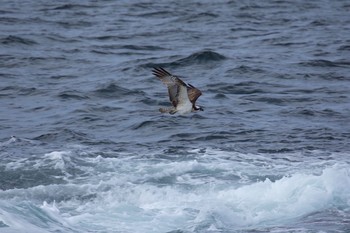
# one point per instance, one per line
(83, 147)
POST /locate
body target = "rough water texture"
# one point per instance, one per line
(83, 147)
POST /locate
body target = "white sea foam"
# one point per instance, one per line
(11, 140)
(59, 158)
(138, 205)
(23, 218)
(55, 159)
(206, 193)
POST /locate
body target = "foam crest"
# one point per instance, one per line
(26, 217)
(59, 159)
(287, 198)
(9, 141)
(150, 208)
(55, 159)
(211, 191)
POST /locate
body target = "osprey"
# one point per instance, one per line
(182, 96)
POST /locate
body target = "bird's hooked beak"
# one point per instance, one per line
(199, 108)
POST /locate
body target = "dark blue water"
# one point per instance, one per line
(83, 147)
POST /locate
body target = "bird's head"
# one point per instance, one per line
(198, 108)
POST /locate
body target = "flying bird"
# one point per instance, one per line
(182, 96)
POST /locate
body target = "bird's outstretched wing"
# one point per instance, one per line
(193, 93)
(171, 82)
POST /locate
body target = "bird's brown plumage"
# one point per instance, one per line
(174, 84)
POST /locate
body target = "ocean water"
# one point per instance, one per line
(83, 147)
